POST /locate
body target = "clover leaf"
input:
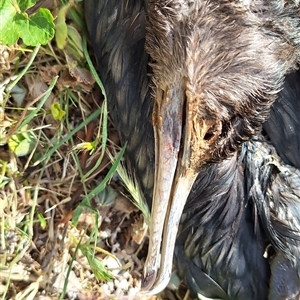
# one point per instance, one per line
(15, 23)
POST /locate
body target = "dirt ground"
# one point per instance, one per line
(69, 228)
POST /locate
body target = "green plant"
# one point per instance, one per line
(33, 29)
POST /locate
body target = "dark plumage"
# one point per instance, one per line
(193, 108)
(117, 31)
(253, 200)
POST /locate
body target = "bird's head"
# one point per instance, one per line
(215, 72)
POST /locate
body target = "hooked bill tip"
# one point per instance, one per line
(148, 280)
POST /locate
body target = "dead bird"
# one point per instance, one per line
(190, 85)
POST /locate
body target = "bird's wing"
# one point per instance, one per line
(274, 188)
(217, 250)
(283, 125)
(281, 210)
(117, 32)
(285, 280)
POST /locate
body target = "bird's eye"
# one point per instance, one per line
(209, 134)
(214, 131)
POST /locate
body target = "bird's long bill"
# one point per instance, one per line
(173, 182)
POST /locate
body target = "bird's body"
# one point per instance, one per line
(227, 263)
(253, 200)
(118, 32)
(216, 68)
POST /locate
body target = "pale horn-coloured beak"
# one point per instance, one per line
(175, 131)
(164, 229)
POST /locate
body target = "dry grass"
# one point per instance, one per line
(67, 230)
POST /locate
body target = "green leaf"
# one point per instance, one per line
(57, 112)
(42, 220)
(107, 196)
(39, 29)
(74, 46)
(99, 270)
(4, 181)
(15, 23)
(22, 5)
(23, 142)
(61, 29)
(8, 31)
